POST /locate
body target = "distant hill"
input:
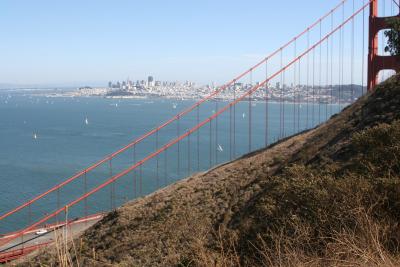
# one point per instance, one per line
(326, 197)
(49, 85)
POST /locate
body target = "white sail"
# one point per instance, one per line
(220, 149)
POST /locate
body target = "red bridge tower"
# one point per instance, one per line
(376, 62)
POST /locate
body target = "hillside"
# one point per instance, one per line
(328, 196)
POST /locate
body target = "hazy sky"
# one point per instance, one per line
(98, 40)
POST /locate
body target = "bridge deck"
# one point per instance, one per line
(32, 240)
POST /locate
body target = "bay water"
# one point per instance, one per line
(45, 140)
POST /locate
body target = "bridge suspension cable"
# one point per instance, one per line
(168, 122)
(187, 133)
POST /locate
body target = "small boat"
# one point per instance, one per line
(219, 148)
(34, 136)
(244, 115)
(174, 105)
(86, 121)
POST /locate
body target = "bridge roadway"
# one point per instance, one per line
(32, 240)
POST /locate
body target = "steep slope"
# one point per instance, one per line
(296, 202)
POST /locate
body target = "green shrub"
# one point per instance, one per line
(379, 148)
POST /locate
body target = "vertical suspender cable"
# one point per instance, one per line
(352, 58)
(165, 167)
(313, 90)
(23, 243)
(198, 138)
(332, 46)
(230, 130)
(294, 104)
(30, 214)
(178, 130)
(342, 61)
(308, 79)
(283, 104)
(298, 96)
(112, 185)
(188, 173)
(234, 122)
(210, 156)
(85, 190)
(266, 104)
(158, 164)
(134, 173)
(250, 96)
(281, 101)
(326, 79)
(58, 202)
(66, 231)
(216, 132)
(140, 181)
(320, 73)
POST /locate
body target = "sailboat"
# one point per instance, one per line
(86, 121)
(220, 149)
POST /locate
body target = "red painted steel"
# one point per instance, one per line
(376, 63)
(192, 130)
(49, 226)
(17, 253)
(216, 92)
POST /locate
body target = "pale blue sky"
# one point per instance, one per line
(87, 41)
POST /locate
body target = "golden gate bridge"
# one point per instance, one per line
(337, 49)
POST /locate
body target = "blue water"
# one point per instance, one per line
(66, 145)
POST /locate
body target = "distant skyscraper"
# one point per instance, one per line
(109, 84)
(150, 81)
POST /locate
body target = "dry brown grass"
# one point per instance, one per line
(363, 247)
